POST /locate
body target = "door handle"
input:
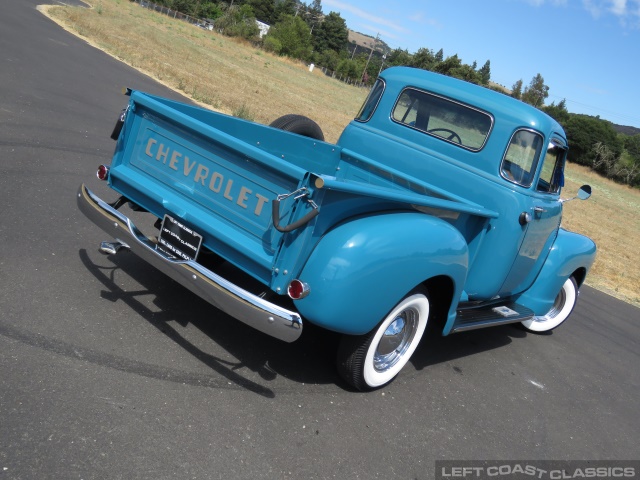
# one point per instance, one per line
(538, 211)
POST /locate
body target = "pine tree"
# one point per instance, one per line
(424, 58)
(331, 34)
(485, 73)
(536, 92)
(314, 14)
(516, 90)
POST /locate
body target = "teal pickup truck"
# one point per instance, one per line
(439, 204)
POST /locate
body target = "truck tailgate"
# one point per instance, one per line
(219, 186)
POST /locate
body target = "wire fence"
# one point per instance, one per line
(171, 13)
(343, 78)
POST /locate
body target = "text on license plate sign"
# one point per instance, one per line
(178, 240)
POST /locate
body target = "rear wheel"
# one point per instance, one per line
(559, 312)
(372, 360)
(298, 124)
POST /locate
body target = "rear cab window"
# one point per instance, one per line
(442, 118)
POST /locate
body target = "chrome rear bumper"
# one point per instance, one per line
(240, 304)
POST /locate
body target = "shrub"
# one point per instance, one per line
(272, 44)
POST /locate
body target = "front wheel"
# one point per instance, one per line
(372, 360)
(560, 311)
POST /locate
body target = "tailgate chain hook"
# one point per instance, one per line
(275, 210)
(119, 123)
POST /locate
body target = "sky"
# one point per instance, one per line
(587, 51)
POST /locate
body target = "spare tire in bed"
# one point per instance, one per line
(298, 124)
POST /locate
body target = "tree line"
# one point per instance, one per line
(302, 31)
(595, 143)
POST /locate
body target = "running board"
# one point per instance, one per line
(490, 316)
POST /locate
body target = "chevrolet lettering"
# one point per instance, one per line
(206, 176)
(440, 204)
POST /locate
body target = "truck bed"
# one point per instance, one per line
(220, 175)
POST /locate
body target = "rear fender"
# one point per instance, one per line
(572, 254)
(361, 269)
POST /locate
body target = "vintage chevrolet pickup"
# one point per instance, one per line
(439, 204)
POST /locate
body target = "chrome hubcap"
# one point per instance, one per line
(396, 340)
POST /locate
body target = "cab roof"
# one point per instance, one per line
(509, 113)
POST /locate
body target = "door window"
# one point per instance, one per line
(520, 161)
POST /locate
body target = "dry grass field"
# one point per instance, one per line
(236, 78)
(219, 72)
(611, 217)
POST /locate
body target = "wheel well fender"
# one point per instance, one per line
(361, 269)
(441, 295)
(572, 255)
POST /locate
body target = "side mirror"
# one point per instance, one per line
(583, 193)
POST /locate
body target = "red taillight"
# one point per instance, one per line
(103, 172)
(298, 290)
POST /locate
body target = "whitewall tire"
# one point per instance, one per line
(559, 312)
(372, 360)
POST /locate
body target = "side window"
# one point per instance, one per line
(552, 173)
(442, 118)
(371, 102)
(519, 163)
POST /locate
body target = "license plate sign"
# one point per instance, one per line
(178, 240)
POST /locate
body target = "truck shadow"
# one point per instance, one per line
(310, 360)
(303, 361)
(435, 349)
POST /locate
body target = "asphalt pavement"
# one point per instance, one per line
(109, 370)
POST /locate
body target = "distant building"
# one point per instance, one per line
(264, 28)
